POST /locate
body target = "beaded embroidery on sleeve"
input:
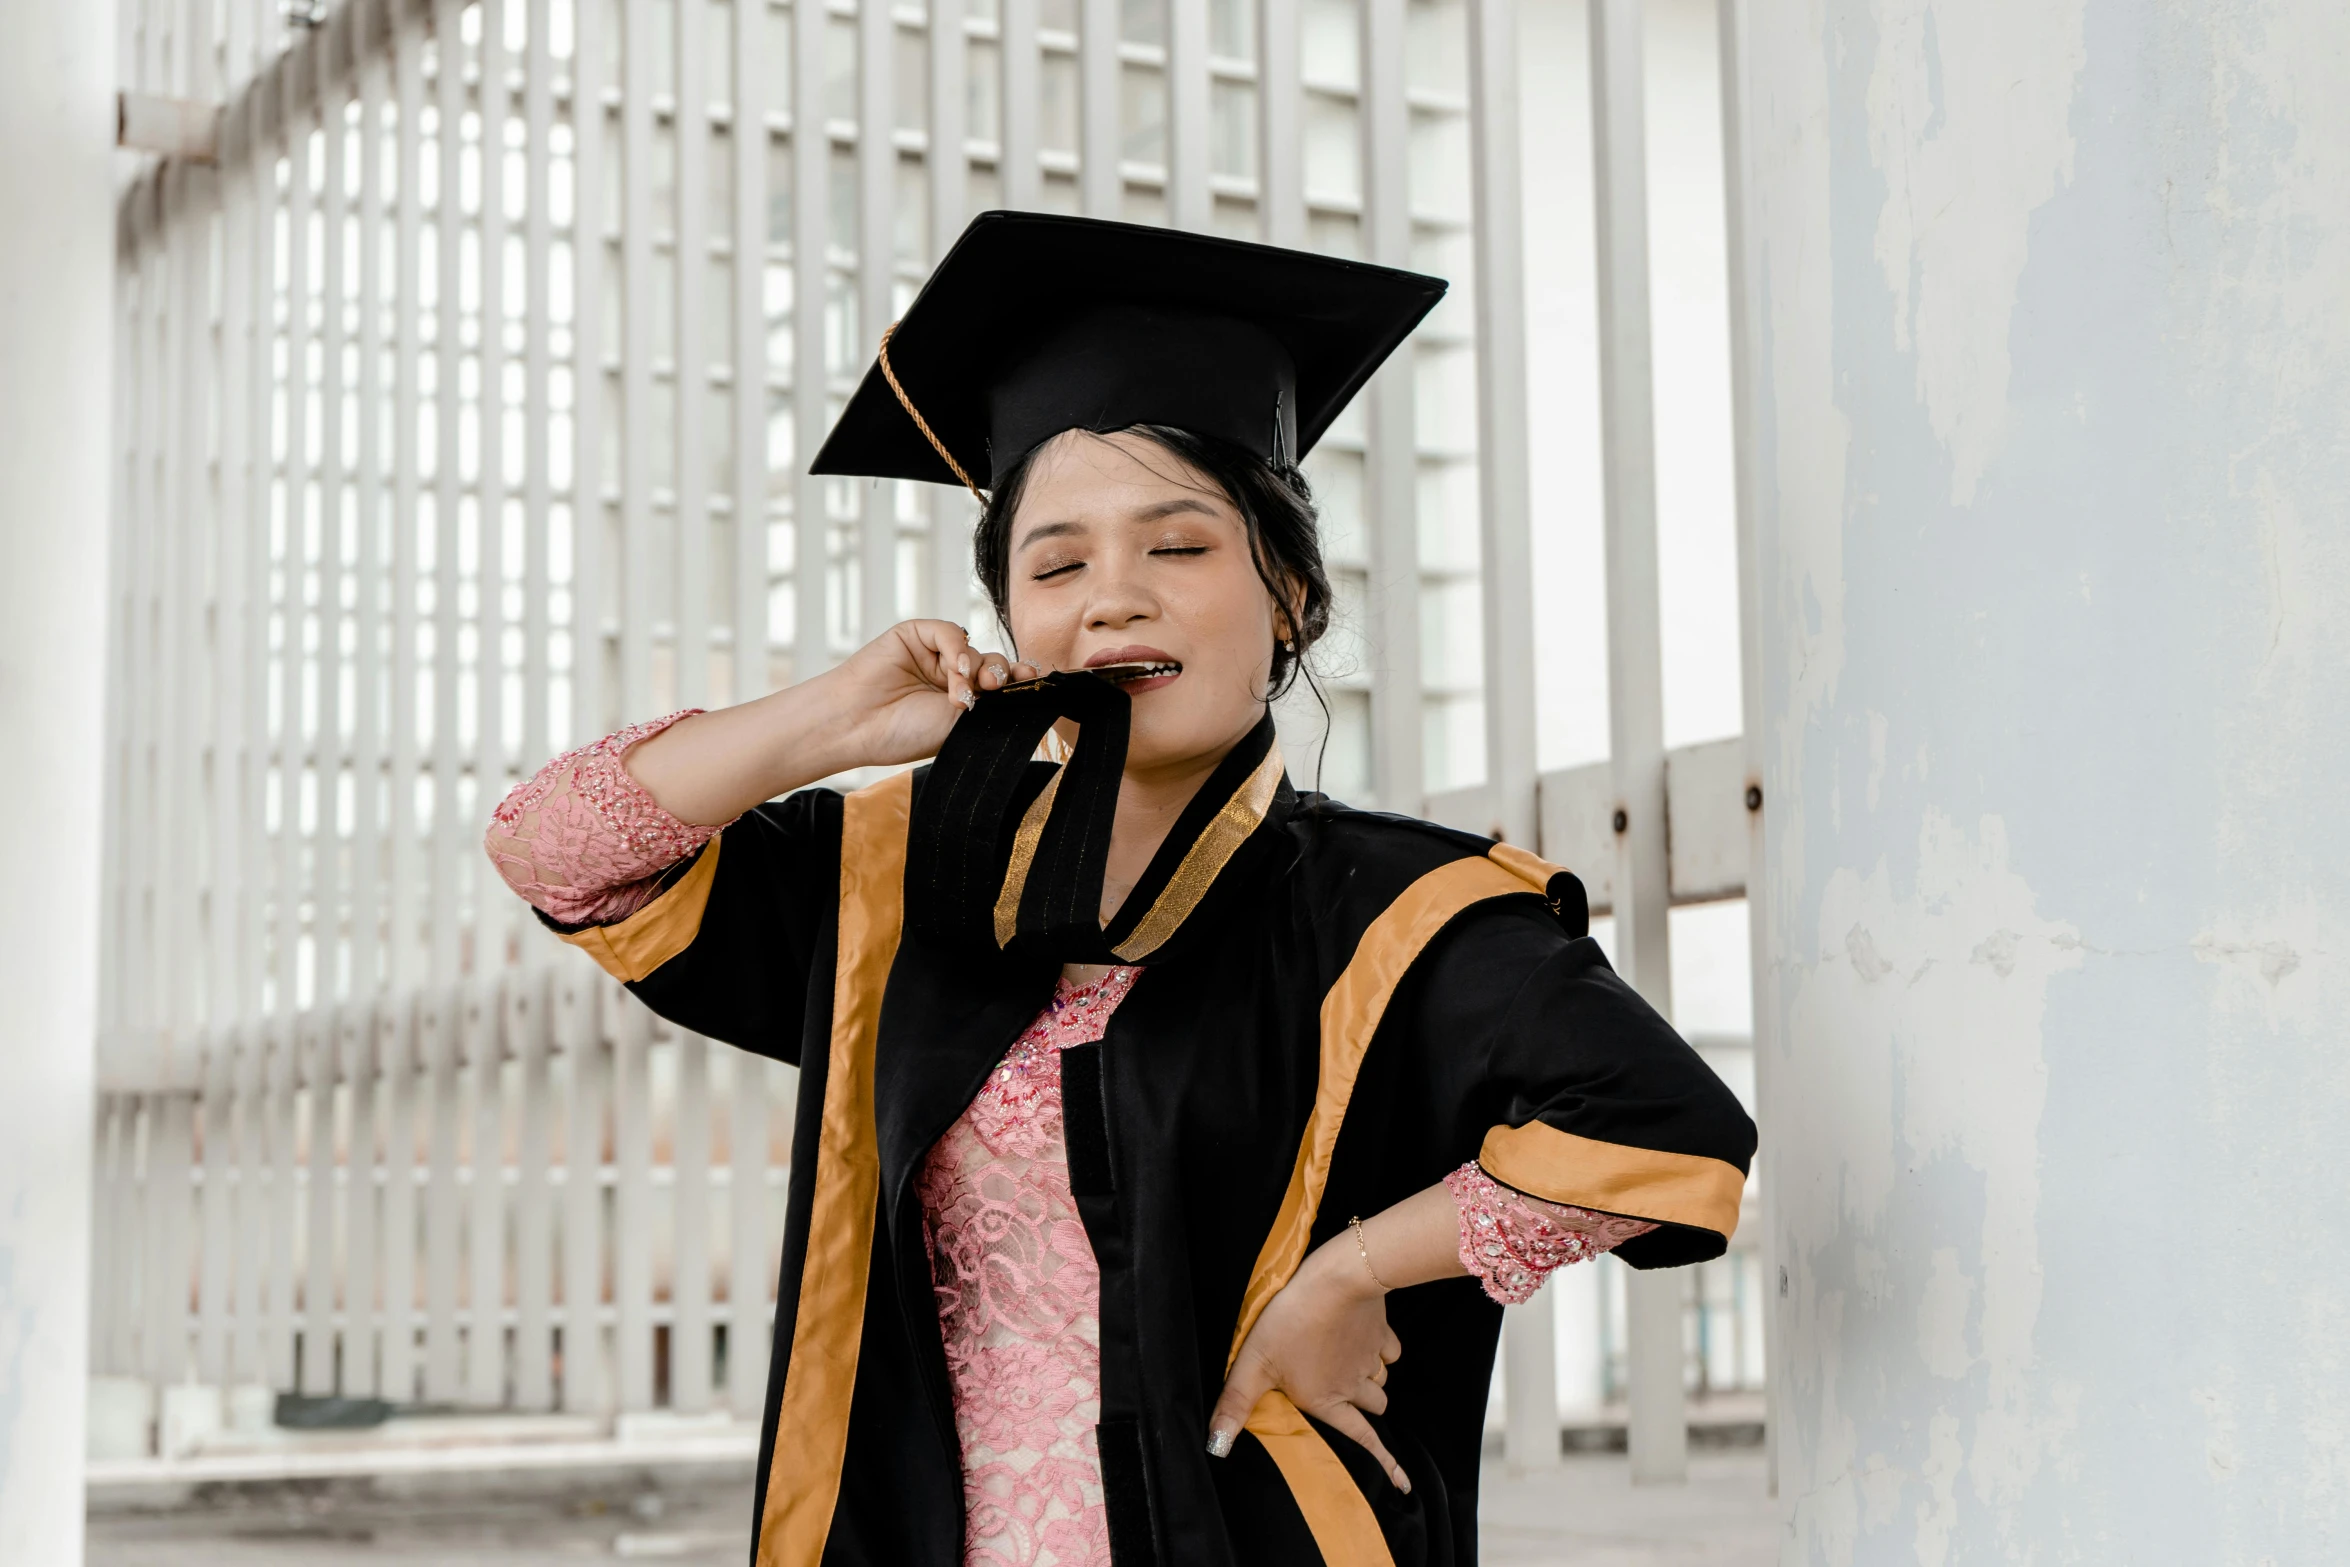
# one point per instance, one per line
(1512, 1242)
(582, 839)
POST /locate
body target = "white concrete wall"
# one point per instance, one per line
(2055, 544)
(56, 349)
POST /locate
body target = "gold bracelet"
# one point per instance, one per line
(1363, 1248)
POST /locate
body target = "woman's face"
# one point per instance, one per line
(1122, 551)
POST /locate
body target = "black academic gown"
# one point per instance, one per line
(1338, 1008)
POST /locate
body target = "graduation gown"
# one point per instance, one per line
(1337, 1008)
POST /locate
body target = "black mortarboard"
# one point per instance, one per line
(1035, 324)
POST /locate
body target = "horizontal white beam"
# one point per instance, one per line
(1707, 797)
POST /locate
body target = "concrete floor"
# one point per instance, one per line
(1586, 1516)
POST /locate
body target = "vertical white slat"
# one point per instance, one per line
(403, 966)
(1505, 577)
(591, 266)
(591, 531)
(690, 1345)
(749, 1258)
(1392, 462)
(111, 1239)
(1504, 464)
(168, 1212)
(750, 92)
(278, 1329)
(437, 1023)
(319, 1049)
(585, 1387)
(449, 872)
(396, 1045)
(950, 203)
(1658, 1434)
(1100, 191)
(811, 151)
(118, 552)
(1281, 188)
(130, 291)
(369, 566)
(232, 635)
(538, 112)
(534, 1232)
(636, 362)
(493, 909)
(217, 1226)
(134, 975)
(485, 1322)
(109, 1282)
(690, 523)
(247, 1362)
(298, 479)
(1745, 404)
(362, 1242)
(253, 863)
(877, 223)
(329, 753)
(1018, 103)
(179, 773)
(632, 1219)
(1189, 205)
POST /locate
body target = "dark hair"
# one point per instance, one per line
(1273, 499)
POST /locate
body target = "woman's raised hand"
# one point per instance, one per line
(1324, 1341)
(901, 692)
(891, 701)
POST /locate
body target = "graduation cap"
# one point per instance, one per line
(1035, 324)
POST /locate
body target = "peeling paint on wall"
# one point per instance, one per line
(1968, 108)
(2053, 374)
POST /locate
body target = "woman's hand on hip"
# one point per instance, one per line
(1324, 1341)
(903, 690)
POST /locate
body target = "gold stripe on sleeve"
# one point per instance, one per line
(1529, 867)
(636, 946)
(1642, 1183)
(812, 1426)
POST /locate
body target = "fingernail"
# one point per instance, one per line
(963, 664)
(1403, 1482)
(1219, 1444)
(970, 700)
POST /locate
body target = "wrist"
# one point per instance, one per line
(1337, 1266)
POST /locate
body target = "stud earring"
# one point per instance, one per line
(1288, 646)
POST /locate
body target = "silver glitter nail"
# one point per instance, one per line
(1219, 1444)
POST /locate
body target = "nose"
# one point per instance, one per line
(1120, 598)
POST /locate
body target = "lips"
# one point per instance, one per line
(1129, 666)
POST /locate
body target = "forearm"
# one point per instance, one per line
(712, 767)
(1413, 1242)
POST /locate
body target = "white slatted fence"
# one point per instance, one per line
(467, 395)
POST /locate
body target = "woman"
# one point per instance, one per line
(1150, 1109)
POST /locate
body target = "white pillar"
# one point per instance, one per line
(1657, 1419)
(2053, 365)
(56, 431)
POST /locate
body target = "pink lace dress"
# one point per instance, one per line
(1019, 1299)
(1019, 1292)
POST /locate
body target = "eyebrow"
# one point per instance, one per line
(1151, 513)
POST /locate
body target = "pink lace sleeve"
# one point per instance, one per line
(1513, 1242)
(583, 840)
